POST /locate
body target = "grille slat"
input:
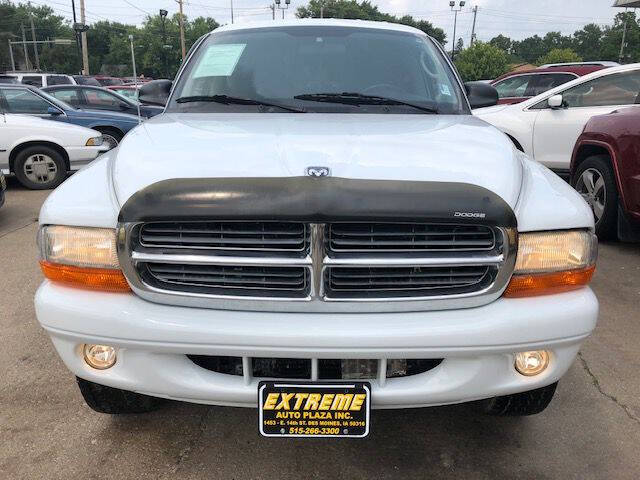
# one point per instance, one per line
(405, 237)
(405, 281)
(236, 280)
(247, 236)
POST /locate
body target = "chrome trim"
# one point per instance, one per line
(141, 257)
(317, 301)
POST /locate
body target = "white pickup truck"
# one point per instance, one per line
(317, 226)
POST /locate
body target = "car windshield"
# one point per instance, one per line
(318, 69)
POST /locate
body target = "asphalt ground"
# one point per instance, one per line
(590, 430)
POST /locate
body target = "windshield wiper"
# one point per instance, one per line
(354, 98)
(228, 100)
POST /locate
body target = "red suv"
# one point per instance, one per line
(516, 87)
(605, 170)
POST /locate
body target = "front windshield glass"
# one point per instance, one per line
(292, 66)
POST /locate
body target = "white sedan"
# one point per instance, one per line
(547, 126)
(41, 152)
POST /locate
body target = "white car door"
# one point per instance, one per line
(6, 137)
(556, 130)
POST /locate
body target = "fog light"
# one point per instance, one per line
(99, 356)
(532, 363)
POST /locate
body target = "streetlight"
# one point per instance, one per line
(455, 9)
(163, 17)
(280, 7)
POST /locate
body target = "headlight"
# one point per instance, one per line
(95, 141)
(81, 257)
(553, 262)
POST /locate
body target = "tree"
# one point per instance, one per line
(459, 45)
(559, 55)
(587, 41)
(502, 42)
(351, 9)
(481, 61)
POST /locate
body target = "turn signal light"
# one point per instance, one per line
(547, 283)
(553, 262)
(104, 279)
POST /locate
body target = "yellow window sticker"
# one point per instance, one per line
(219, 60)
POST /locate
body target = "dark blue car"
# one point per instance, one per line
(31, 101)
(98, 98)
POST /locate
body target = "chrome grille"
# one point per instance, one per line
(229, 280)
(333, 267)
(408, 237)
(349, 282)
(272, 236)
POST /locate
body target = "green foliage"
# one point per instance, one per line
(351, 9)
(559, 55)
(482, 61)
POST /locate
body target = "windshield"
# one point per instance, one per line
(291, 67)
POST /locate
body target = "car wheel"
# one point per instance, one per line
(594, 180)
(110, 137)
(40, 168)
(114, 401)
(519, 404)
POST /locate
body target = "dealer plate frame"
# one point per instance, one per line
(356, 386)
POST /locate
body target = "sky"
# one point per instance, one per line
(515, 18)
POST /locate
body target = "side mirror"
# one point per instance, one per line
(556, 101)
(53, 111)
(481, 94)
(155, 92)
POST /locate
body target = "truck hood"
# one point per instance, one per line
(436, 148)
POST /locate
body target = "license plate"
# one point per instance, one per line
(332, 409)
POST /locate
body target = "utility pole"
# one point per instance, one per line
(73, 9)
(163, 17)
(322, 9)
(273, 11)
(83, 36)
(184, 52)
(452, 4)
(24, 46)
(231, 11)
(13, 63)
(473, 29)
(624, 37)
(35, 45)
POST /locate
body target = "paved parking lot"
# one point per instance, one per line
(591, 429)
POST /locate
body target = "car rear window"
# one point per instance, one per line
(58, 80)
(34, 80)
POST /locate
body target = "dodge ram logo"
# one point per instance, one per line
(318, 171)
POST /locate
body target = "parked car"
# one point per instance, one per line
(3, 186)
(40, 152)
(106, 81)
(98, 98)
(420, 258)
(605, 170)
(129, 91)
(547, 126)
(37, 79)
(604, 63)
(516, 87)
(86, 80)
(32, 101)
(9, 79)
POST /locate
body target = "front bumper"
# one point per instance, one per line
(80, 156)
(477, 344)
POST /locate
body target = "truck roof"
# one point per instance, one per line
(325, 22)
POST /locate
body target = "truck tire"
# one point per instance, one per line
(603, 199)
(40, 167)
(114, 401)
(519, 404)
